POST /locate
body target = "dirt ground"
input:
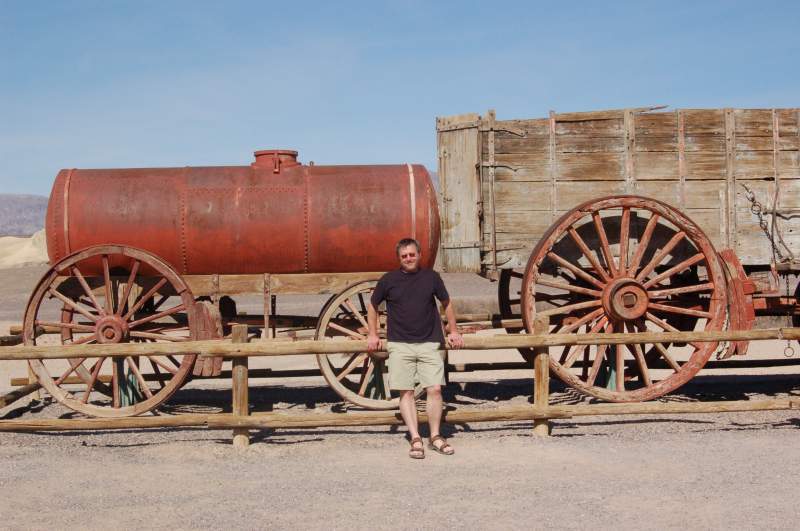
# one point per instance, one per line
(722, 471)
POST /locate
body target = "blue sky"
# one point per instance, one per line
(94, 84)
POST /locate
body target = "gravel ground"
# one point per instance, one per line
(720, 471)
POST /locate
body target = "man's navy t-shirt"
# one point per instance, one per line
(412, 313)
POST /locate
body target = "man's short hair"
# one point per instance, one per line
(405, 242)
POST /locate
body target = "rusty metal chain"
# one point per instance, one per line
(759, 210)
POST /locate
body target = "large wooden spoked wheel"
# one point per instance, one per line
(509, 301)
(626, 264)
(104, 295)
(360, 378)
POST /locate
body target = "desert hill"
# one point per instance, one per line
(21, 215)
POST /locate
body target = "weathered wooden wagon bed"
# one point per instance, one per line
(627, 220)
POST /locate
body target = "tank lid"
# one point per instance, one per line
(275, 159)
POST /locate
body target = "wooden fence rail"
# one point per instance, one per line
(280, 347)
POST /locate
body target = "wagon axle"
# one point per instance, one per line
(625, 299)
(112, 329)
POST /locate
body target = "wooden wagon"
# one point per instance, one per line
(626, 221)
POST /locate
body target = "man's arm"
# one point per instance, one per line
(454, 339)
(373, 341)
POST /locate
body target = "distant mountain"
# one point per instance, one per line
(21, 215)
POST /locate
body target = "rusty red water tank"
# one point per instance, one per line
(274, 216)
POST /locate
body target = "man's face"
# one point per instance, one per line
(409, 258)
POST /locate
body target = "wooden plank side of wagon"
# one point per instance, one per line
(765, 161)
(697, 160)
(458, 153)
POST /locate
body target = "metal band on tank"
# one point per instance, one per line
(413, 201)
(67, 249)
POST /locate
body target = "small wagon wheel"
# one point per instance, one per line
(360, 378)
(509, 288)
(626, 264)
(111, 294)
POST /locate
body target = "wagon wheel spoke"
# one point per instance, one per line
(644, 241)
(139, 378)
(624, 234)
(82, 281)
(74, 363)
(71, 326)
(695, 288)
(72, 304)
(568, 308)
(144, 298)
(674, 365)
(366, 374)
(358, 315)
(588, 254)
(347, 331)
(678, 310)
(115, 383)
(109, 304)
(575, 269)
(660, 255)
(83, 340)
(567, 287)
(588, 318)
(157, 336)
(665, 326)
(619, 363)
(164, 313)
(350, 365)
(600, 355)
(157, 361)
(638, 354)
(128, 286)
(604, 245)
(574, 351)
(93, 379)
(674, 270)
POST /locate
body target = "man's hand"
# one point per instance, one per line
(454, 340)
(373, 342)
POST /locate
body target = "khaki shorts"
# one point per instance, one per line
(414, 363)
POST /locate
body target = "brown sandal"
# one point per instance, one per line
(444, 448)
(417, 453)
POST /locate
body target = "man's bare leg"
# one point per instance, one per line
(433, 407)
(408, 410)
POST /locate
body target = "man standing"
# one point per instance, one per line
(414, 337)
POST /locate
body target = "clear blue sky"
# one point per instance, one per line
(170, 83)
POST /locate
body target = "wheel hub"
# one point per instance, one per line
(625, 299)
(111, 329)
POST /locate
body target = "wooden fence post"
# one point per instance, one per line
(239, 384)
(541, 378)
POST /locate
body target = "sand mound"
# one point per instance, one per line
(17, 252)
